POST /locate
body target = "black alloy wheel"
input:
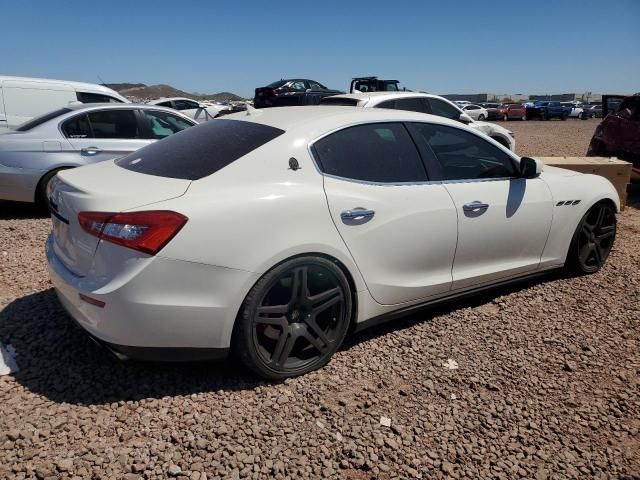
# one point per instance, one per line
(593, 239)
(294, 319)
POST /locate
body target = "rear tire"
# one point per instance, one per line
(505, 118)
(563, 117)
(481, 117)
(543, 116)
(592, 240)
(294, 318)
(41, 190)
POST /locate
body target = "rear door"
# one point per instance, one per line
(105, 134)
(399, 227)
(503, 219)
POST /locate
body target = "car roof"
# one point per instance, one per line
(379, 97)
(170, 99)
(326, 117)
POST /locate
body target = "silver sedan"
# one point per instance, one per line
(77, 135)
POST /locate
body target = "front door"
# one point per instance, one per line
(400, 229)
(503, 219)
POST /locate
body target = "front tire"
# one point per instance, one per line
(593, 239)
(294, 318)
(481, 117)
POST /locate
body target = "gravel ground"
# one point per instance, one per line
(547, 384)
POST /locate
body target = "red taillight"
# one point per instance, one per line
(147, 232)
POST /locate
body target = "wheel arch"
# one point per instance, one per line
(55, 170)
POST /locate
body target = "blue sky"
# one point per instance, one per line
(454, 46)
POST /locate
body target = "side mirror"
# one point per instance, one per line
(466, 119)
(530, 167)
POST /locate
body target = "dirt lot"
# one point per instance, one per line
(547, 385)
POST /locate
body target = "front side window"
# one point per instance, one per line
(200, 151)
(444, 109)
(77, 127)
(462, 155)
(315, 86)
(164, 124)
(376, 152)
(186, 105)
(86, 97)
(114, 124)
(391, 87)
(414, 104)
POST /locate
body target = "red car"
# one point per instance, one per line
(510, 111)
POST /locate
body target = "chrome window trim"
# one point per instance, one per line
(392, 184)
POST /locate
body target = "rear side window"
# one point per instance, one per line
(347, 102)
(277, 84)
(200, 151)
(376, 152)
(86, 97)
(114, 124)
(42, 119)
(77, 127)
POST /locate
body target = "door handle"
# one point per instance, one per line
(357, 213)
(475, 206)
(91, 150)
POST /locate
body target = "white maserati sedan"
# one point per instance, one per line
(199, 111)
(274, 233)
(425, 103)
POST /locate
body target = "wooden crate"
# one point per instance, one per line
(618, 172)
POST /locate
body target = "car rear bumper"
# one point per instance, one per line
(18, 184)
(167, 310)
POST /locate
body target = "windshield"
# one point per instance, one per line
(42, 119)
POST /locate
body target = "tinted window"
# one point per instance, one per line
(298, 85)
(350, 102)
(378, 152)
(41, 119)
(444, 109)
(114, 124)
(200, 151)
(391, 87)
(85, 97)
(414, 104)
(77, 127)
(186, 105)
(164, 124)
(463, 155)
(316, 86)
(165, 104)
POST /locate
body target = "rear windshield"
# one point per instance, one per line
(42, 119)
(349, 102)
(199, 151)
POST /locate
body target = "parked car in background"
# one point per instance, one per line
(493, 110)
(596, 111)
(618, 135)
(199, 111)
(292, 92)
(162, 256)
(476, 112)
(31, 155)
(373, 84)
(546, 110)
(513, 111)
(22, 98)
(423, 103)
(576, 110)
(462, 103)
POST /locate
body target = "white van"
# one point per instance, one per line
(21, 98)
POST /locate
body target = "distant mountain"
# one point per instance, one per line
(140, 91)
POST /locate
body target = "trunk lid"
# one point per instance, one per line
(102, 187)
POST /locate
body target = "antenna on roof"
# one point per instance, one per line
(99, 78)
